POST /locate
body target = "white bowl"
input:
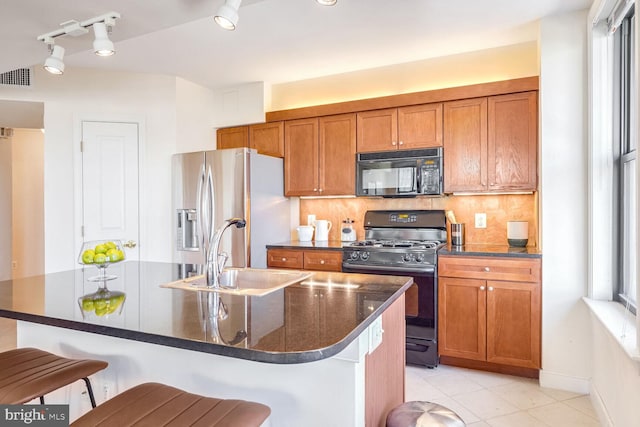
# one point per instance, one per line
(305, 233)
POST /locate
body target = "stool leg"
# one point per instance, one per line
(90, 390)
(42, 400)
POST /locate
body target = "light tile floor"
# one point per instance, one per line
(485, 399)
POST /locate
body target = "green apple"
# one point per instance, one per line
(100, 258)
(87, 256)
(87, 304)
(101, 249)
(110, 245)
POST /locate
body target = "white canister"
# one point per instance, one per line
(347, 233)
(518, 233)
(305, 233)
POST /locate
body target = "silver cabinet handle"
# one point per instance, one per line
(284, 259)
(401, 143)
(321, 261)
(490, 288)
(482, 288)
(487, 269)
(393, 143)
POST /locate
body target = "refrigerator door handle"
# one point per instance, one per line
(208, 203)
(199, 207)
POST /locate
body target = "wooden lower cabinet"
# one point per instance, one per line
(305, 259)
(487, 320)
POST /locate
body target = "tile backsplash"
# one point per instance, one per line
(498, 208)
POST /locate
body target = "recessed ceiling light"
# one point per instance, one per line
(327, 2)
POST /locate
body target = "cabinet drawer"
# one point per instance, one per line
(323, 260)
(284, 258)
(490, 268)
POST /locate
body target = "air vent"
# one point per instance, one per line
(19, 77)
(6, 132)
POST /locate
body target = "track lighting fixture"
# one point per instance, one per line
(54, 63)
(227, 15)
(327, 2)
(102, 46)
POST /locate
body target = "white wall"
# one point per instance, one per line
(89, 94)
(566, 351)
(5, 208)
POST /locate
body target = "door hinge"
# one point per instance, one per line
(82, 146)
(82, 230)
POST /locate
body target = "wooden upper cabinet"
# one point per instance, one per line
(337, 155)
(234, 137)
(320, 156)
(377, 130)
(420, 126)
(267, 138)
(512, 141)
(491, 144)
(404, 128)
(465, 145)
(301, 157)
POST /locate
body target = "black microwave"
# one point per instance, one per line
(400, 173)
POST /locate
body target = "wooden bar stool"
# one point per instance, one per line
(27, 373)
(153, 404)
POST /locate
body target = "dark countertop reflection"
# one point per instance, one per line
(310, 320)
(491, 250)
(335, 245)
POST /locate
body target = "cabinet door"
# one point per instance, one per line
(420, 126)
(301, 157)
(267, 138)
(337, 155)
(513, 323)
(323, 260)
(285, 258)
(235, 137)
(377, 130)
(462, 318)
(513, 141)
(465, 145)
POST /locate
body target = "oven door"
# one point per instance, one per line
(421, 311)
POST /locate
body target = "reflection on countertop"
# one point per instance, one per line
(491, 250)
(303, 322)
(296, 244)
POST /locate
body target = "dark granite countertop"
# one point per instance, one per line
(491, 251)
(333, 245)
(304, 322)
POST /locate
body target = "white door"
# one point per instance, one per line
(110, 183)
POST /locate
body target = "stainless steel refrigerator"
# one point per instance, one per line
(212, 186)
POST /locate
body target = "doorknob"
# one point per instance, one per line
(130, 244)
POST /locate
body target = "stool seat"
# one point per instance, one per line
(27, 373)
(423, 414)
(153, 404)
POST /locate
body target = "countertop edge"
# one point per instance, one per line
(331, 245)
(212, 348)
(475, 251)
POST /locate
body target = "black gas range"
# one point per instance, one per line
(406, 243)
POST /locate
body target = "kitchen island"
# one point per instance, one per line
(310, 351)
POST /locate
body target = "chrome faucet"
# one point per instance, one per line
(215, 260)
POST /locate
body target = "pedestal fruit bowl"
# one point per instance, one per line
(101, 254)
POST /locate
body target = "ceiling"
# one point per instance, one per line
(276, 40)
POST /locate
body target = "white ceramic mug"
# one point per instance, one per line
(322, 229)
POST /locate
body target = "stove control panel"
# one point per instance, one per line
(403, 218)
(393, 257)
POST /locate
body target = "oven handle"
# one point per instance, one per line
(356, 268)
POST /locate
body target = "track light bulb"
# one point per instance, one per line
(102, 46)
(54, 63)
(327, 2)
(227, 16)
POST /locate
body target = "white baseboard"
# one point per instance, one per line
(564, 382)
(598, 406)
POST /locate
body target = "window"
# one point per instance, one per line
(625, 137)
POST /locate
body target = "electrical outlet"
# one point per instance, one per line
(481, 220)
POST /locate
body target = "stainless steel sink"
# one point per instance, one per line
(244, 281)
